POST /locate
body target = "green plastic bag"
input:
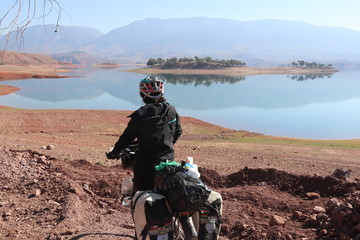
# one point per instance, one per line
(163, 165)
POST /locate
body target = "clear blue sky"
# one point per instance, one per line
(107, 15)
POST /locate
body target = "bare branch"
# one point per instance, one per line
(22, 13)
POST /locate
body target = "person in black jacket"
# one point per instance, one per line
(156, 126)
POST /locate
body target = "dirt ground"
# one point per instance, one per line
(55, 182)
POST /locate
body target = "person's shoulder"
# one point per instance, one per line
(169, 105)
(139, 112)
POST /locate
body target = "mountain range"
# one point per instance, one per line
(258, 43)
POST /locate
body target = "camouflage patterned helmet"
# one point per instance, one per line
(152, 87)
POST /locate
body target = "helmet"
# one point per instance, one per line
(151, 87)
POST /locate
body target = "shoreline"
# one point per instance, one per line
(13, 72)
(237, 71)
(7, 89)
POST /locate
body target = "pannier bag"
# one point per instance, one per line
(209, 218)
(152, 217)
(183, 192)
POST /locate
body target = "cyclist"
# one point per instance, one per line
(156, 126)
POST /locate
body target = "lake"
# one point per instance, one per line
(312, 106)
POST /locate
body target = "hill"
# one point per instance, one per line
(48, 39)
(16, 58)
(77, 57)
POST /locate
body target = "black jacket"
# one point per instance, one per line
(156, 126)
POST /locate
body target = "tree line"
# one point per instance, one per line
(193, 63)
(304, 64)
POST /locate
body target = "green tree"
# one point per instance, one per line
(301, 63)
(151, 62)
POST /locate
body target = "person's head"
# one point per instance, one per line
(152, 89)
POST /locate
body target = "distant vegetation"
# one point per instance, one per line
(303, 64)
(193, 63)
(107, 65)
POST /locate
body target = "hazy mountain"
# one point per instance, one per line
(263, 42)
(254, 41)
(77, 57)
(47, 39)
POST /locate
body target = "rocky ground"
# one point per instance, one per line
(55, 182)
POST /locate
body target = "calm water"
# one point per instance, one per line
(317, 107)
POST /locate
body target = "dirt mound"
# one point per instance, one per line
(297, 184)
(42, 197)
(328, 186)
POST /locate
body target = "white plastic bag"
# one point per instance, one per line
(191, 168)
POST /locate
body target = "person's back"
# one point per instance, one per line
(157, 130)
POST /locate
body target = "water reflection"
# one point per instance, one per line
(327, 107)
(198, 92)
(196, 79)
(303, 77)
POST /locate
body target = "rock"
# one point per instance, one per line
(87, 189)
(312, 195)
(51, 217)
(6, 214)
(333, 203)
(327, 225)
(54, 203)
(243, 234)
(50, 147)
(32, 195)
(342, 174)
(323, 232)
(297, 214)
(42, 160)
(288, 237)
(311, 221)
(37, 192)
(277, 220)
(240, 226)
(342, 207)
(321, 217)
(319, 209)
